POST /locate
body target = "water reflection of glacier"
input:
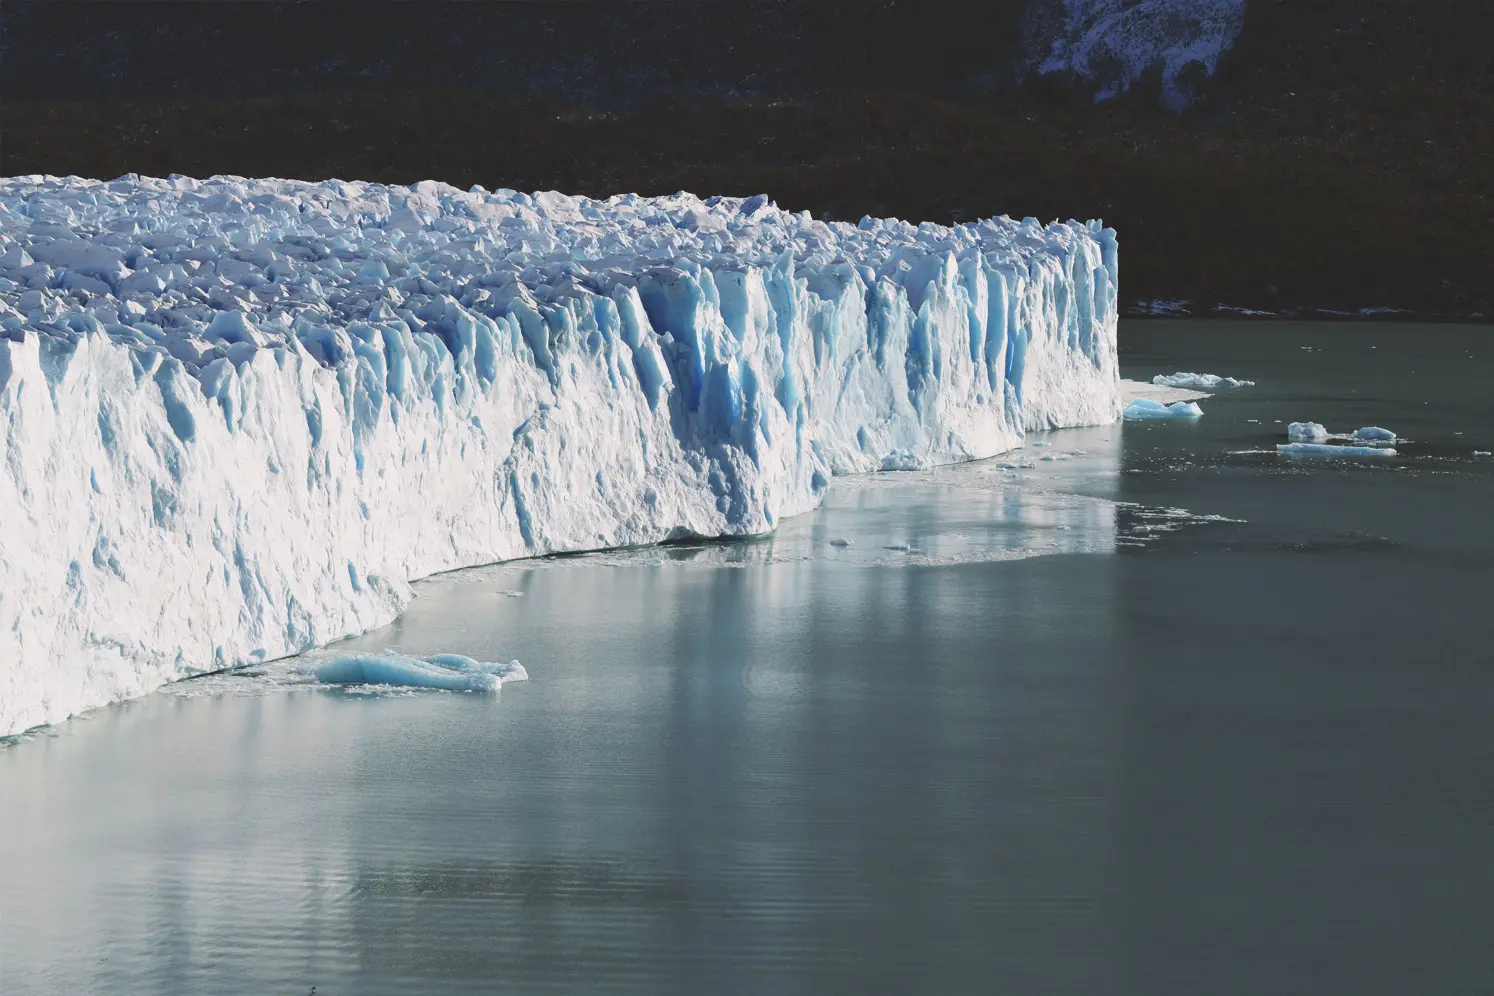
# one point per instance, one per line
(885, 520)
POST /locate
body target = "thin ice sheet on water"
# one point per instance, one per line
(1333, 450)
(1197, 381)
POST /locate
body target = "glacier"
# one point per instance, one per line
(238, 416)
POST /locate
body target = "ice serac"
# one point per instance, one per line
(238, 416)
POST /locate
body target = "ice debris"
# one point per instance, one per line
(1200, 382)
(1144, 408)
(237, 416)
(452, 672)
(1374, 433)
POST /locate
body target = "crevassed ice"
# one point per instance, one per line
(237, 416)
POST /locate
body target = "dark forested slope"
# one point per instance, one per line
(1341, 157)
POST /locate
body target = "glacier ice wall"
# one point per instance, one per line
(238, 416)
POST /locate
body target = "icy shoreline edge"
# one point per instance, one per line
(240, 416)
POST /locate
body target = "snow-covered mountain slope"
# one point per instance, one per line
(238, 416)
(1113, 42)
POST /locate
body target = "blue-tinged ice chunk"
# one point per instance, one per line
(1326, 449)
(1374, 433)
(1144, 408)
(452, 672)
(1307, 432)
(512, 671)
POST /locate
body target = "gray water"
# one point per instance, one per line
(1062, 737)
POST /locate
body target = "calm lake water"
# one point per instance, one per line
(1172, 715)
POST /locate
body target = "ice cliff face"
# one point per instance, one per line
(238, 416)
(1113, 42)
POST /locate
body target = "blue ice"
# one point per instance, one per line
(1143, 408)
(452, 672)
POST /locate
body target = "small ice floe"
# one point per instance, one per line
(840, 541)
(897, 547)
(1143, 408)
(1307, 432)
(1331, 450)
(1375, 434)
(452, 672)
(1040, 442)
(1480, 453)
(1197, 381)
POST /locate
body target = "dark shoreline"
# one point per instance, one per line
(1341, 159)
(1347, 219)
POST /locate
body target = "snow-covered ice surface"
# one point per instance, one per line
(237, 416)
(1113, 42)
(1145, 408)
(1204, 382)
(1131, 390)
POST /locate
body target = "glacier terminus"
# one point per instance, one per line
(238, 416)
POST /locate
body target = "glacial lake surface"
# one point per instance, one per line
(1151, 711)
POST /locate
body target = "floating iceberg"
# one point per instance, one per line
(1145, 408)
(1312, 432)
(1199, 382)
(452, 672)
(1307, 432)
(1328, 449)
(238, 416)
